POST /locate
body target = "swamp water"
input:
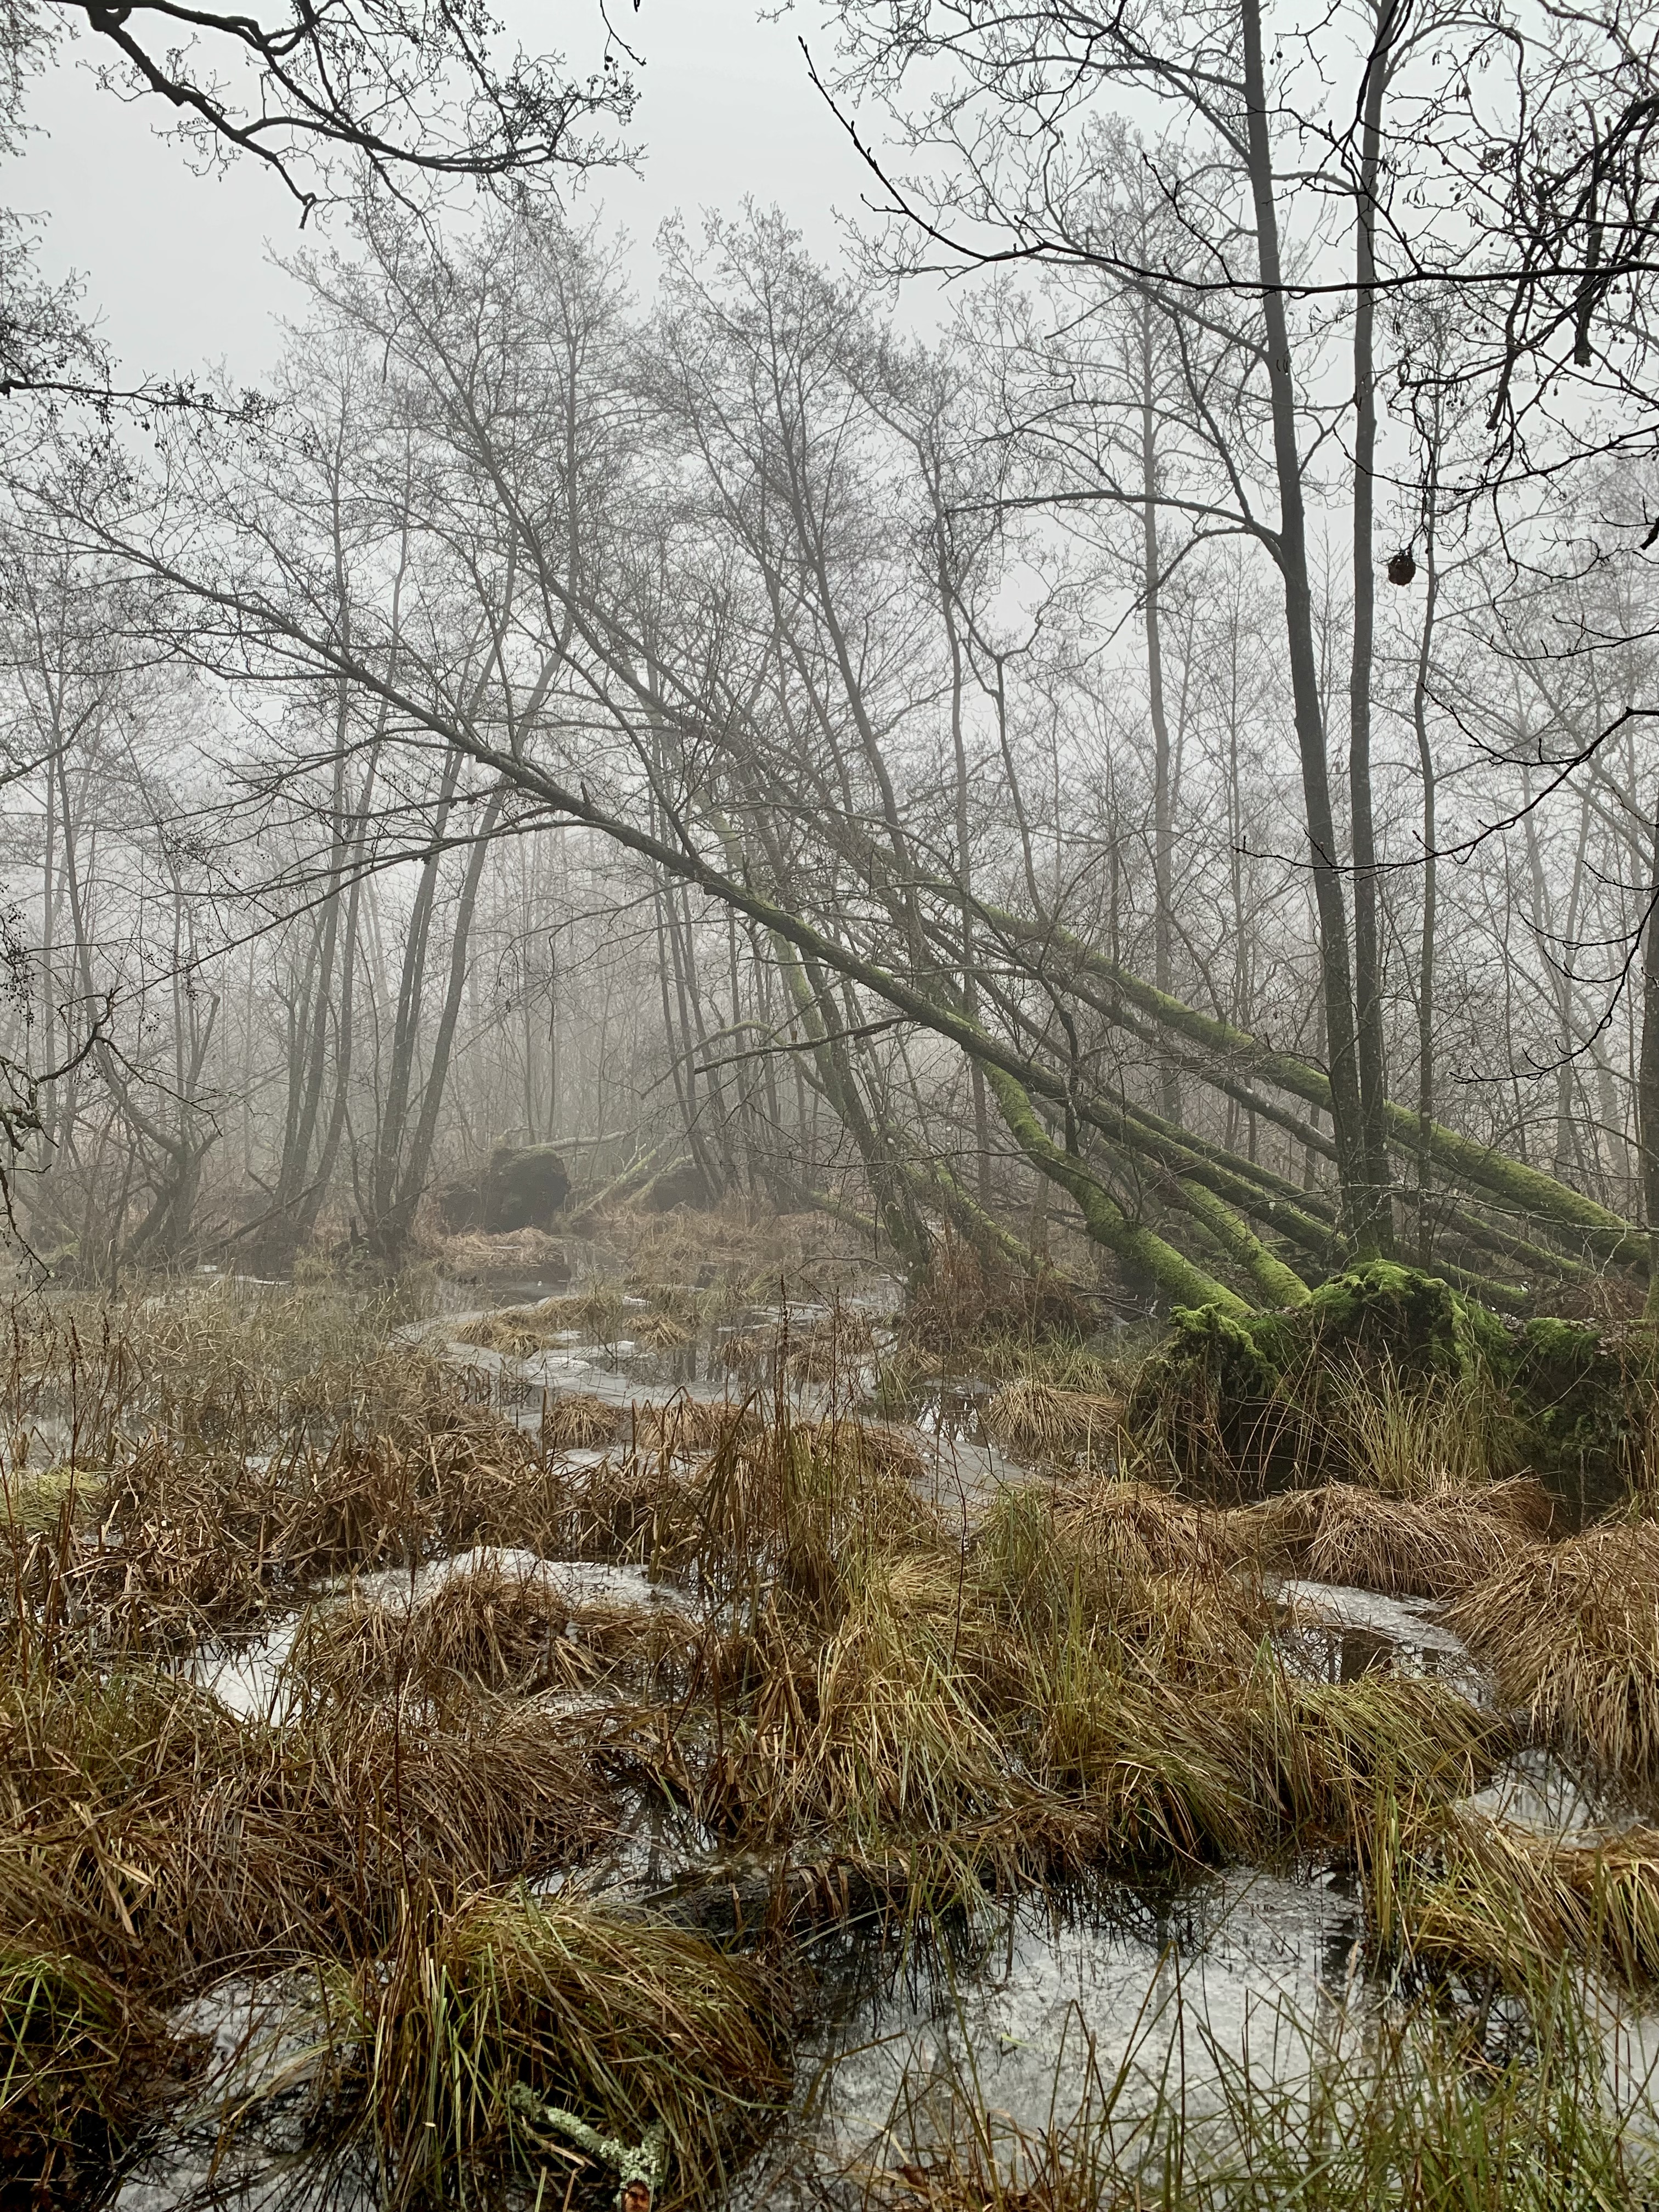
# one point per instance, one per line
(1042, 2009)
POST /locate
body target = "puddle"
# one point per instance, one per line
(1541, 1793)
(247, 1678)
(1030, 2023)
(1337, 1633)
(727, 1362)
(580, 1582)
(263, 2040)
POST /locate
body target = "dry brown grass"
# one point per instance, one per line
(490, 1629)
(739, 1252)
(1035, 1420)
(516, 1255)
(154, 1835)
(497, 1628)
(1439, 1547)
(514, 1331)
(686, 1426)
(186, 1538)
(575, 1420)
(1571, 1633)
(1502, 1900)
(830, 1349)
(1147, 1530)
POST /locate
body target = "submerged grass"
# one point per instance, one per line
(81, 2061)
(1386, 2108)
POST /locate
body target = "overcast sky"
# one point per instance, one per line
(178, 268)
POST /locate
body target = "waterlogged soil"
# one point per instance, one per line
(1045, 2008)
(1037, 2013)
(1111, 2009)
(1048, 2009)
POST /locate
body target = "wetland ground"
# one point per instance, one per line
(710, 1730)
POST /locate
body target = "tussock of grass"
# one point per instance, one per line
(600, 1313)
(1411, 1439)
(514, 1256)
(623, 2022)
(824, 1350)
(575, 1420)
(37, 1501)
(192, 1539)
(737, 1253)
(1145, 1528)
(490, 1630)
(665, 1331)
(496, 1628)
(686, 1424)
(513, 1331)
(1062, 1676)
(1438, 1546)
(1571, 1633)
(1502, 1898)
(1037, 1420)
(1410, 1742)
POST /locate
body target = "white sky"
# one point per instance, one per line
(177, 269)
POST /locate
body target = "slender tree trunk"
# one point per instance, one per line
(1426, 968)
(1336, 972)
(1647, 1080)
(964, 852)
(1162, 805)
(1367, 960)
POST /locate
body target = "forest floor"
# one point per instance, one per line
(696, 1729)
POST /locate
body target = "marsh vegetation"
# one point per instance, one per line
(437, 1778)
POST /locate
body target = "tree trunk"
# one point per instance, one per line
(1378, 1234)
(1647, 1080)
(1162, 809)
(1336, 971)
(1425, 969)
